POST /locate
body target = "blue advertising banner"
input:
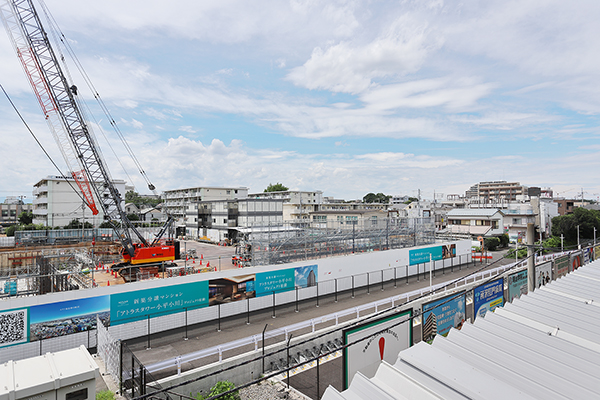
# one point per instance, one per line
(274, 281)
(136, 305)
(487, 297)
(517, 285)
(306, 276)
(66, 317)
(420, 256)
(441, 315)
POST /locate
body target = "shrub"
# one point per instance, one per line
(105, 395)
(491, 243)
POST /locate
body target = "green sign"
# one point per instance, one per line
(275, 281)
(420, 256)
(561, 265)
(139, 304)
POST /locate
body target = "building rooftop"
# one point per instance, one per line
(543, 345)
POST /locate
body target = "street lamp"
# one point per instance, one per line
(578, 245)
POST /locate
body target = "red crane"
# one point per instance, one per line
(59, 103)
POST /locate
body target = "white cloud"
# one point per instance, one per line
(351, 67)
(187, 129)
(456, 94)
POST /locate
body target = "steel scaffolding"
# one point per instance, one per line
(267, 244)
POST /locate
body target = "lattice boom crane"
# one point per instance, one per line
(59, 103)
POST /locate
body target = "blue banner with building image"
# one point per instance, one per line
(275, 281)
(487, 297)
(139, 304)
(420, 256)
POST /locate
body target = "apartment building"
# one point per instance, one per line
(496, 192)
(57, 201)
(11, 209)
(218, 220)
(176, 202)
(297, 205)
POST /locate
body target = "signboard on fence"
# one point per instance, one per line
(137, 305)
(286, 279)
(561, 266)
(66, 317)
(576, 260)
(420, 256)
(440, 315)
(388, 336)
(487, 297)
(588, 255)
(517, 284)
(543, 274)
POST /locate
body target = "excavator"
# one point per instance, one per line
(60, 104)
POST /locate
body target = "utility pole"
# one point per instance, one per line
(562, 243)
(530, 258)
(578, 244)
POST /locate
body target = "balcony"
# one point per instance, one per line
(40, 200)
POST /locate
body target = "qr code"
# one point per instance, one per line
(13, 327)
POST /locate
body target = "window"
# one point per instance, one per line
(374, 220)
(224, 220)
(5, 213)
(516, 221)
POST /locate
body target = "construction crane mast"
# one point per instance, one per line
(59, 102)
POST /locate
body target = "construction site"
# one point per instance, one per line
(38, 268)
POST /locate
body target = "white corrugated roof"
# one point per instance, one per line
(545, 345)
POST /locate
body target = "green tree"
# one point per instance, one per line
(411, 200)
(376, 198)
(139, 201)
(76, 224)
(133, 217)
(491, 243)
(566, 225)
(278, 187)
(504, 240)
(26, 218)
(10, 231)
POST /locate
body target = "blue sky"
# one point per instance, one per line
(347, 97)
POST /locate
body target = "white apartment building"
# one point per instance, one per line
(218, 220)
(297, 205)
(176, 201)
(57, 201)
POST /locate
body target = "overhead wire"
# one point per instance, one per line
(40, 144)
(63, 40)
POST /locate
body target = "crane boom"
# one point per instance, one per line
(59, 103)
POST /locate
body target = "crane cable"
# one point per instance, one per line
(62, 39)
(40, 144)
(83, 107)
